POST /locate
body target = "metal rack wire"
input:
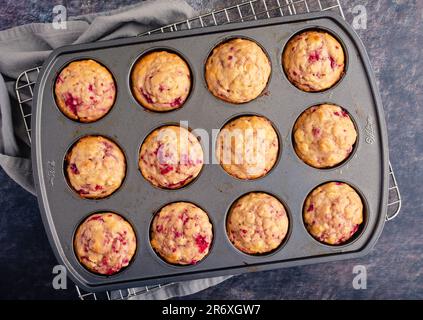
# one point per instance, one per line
(123, 294)
(252, 10)
(244, 11)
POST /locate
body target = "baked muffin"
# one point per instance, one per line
(95, 167)
(257, 223)
(247, 147)
(237, 71)
(313, 61)
(161, 81)
(333, 213)
(324, 136)
(181, 233)
(85, 91)
(105, 243)
(170, 157)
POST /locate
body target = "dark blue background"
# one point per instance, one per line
(394, 42)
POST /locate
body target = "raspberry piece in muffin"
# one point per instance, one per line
(313, 61)
(161, 81)
(85, 91)
(247, 147)
(333, 213)
(170, 157)
(237, 71)
(95, 167)
(105, 243)
(257, 223)
(181, 233)
(324, 136)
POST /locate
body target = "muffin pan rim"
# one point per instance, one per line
(381, 204)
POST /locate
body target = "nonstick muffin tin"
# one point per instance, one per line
(291, 180)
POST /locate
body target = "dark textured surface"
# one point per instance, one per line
(394, 42)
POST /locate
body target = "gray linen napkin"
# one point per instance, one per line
(27, 46)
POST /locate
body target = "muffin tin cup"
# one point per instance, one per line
(250, 114)
(333, 34)
(123, 269)
(66, 163)
(182, 125)
(177, 266)
(354, 146)
(268, 253)
(222, 40)
(214, 190)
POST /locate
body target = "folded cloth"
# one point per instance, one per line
(27, 46)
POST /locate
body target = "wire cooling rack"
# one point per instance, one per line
(244, 11)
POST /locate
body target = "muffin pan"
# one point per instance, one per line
(291, 180)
